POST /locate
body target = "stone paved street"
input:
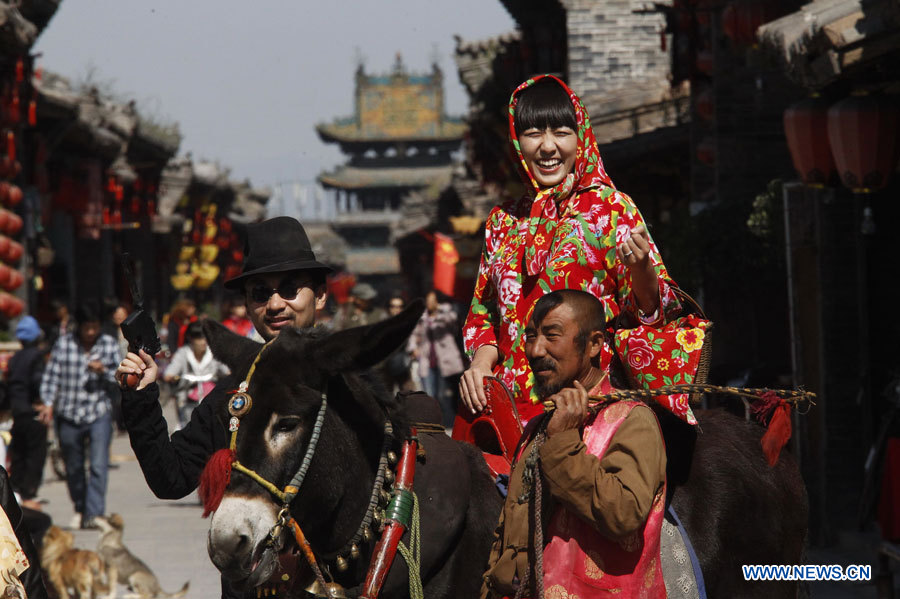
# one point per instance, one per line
(169, 536)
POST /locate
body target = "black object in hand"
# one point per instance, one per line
(140, 331)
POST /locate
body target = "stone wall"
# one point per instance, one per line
(613, 45)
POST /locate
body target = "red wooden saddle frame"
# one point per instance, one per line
(495, 430)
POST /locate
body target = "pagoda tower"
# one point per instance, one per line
(398, 142)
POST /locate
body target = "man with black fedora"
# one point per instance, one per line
(283, 285)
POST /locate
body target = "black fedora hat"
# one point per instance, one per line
(276, 245)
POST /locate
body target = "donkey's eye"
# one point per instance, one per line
(286, 425)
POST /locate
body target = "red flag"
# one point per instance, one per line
(339, 286)
(445, 259)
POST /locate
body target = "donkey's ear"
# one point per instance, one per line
(231, 349)
(363, 347)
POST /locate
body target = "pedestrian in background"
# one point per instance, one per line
(77, 384)
(193, 371)
(236, 318)
(360, 310)
(62, 321)
(433, 347)
(396, 369)
(112, 326)
(183, 313)
(28, 449)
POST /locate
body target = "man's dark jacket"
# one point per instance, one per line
(172, 467)
(23, 380)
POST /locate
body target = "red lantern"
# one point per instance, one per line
(14, 108)
(806, 129)
(5, 302)
(16, 307)
(32, 112)
(741, 18)
(705, 62)
(14, 252)
(706, 152)
(4, 245)
(704, 104)
(14, 280)
(20, 70)
(11, 145)
(14, 195)
(5, 275)
(14, 224)
(862, 131)
(4, 220)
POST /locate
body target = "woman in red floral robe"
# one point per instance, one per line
(573, 230)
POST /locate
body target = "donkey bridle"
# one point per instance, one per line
(238, 406)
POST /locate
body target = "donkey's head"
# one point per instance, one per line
(278, 416)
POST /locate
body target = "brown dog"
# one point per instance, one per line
(75, 573)
(131, 571)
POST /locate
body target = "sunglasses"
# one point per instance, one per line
(287, 290)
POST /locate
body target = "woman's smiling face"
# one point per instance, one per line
(549, 154)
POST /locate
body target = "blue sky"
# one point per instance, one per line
(247, 81)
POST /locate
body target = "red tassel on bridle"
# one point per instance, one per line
(778, 413)
(214, 479)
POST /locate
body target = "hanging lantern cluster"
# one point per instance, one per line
(126, 206)
(230, 250)
(11, 252)
(18, 110)
(198, 261)
(854, 139)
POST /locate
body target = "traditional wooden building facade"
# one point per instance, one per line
(399, 143)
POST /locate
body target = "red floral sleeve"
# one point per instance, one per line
(481, 323)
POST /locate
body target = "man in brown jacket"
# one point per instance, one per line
(602, 472)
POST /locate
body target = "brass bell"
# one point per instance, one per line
(341, 563)
(367, 534)
(389, 477)
(335, 591)
(392, 457)
(354, 551)
(385, 497)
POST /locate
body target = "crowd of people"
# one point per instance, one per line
(61, 382)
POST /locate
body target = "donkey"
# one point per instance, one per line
(457, 499)
(736, 509)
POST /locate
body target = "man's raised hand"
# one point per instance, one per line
(136, 367)
(571, 409)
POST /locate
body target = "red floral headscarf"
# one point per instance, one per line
(588, 173)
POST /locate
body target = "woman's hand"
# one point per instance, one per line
(140, 367)
(634, 253)
(471, 384)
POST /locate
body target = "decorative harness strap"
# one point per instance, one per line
(398, 515)
(401, 510)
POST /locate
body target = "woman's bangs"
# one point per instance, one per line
(544, 104)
